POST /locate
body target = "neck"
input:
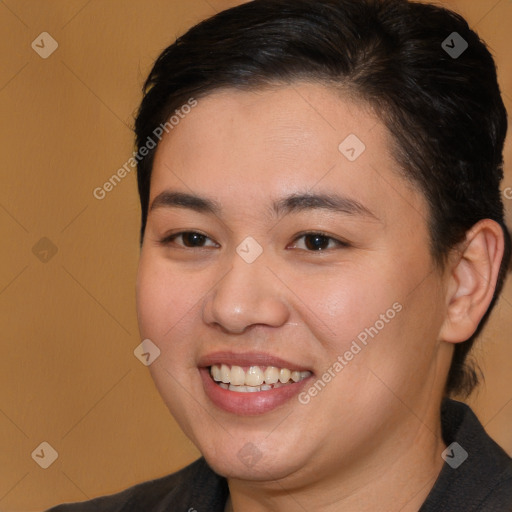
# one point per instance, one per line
(396, 476)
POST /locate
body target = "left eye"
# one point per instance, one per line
(317, 242)
(190, 239)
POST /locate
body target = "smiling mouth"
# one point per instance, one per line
(254, 378)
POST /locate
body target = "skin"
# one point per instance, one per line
(370, 440)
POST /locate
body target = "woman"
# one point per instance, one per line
(322, 239)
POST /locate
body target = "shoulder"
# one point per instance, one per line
(196, 485)
(477, 475)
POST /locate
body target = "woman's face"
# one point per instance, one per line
(281, 245)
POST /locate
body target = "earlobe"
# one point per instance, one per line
(473, 273)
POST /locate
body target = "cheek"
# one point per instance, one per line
(169, 307)
(163, 297)
(378, 316)
(153, 301)
(347, 301)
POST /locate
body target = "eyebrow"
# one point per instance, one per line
(293, 203)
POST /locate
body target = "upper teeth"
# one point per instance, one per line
(255, 375)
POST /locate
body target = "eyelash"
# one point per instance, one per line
(168, 240)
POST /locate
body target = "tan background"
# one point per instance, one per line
(67, 369)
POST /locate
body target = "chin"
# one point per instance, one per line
(261, 471)
(241, 458)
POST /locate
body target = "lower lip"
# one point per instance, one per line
(248, 404)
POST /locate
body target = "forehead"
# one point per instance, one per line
(251, 147)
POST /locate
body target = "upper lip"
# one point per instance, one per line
(248, 359)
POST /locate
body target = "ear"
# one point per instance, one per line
(472, 274)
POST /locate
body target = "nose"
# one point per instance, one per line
(249, 294)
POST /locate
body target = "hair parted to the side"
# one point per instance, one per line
(446, 116)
